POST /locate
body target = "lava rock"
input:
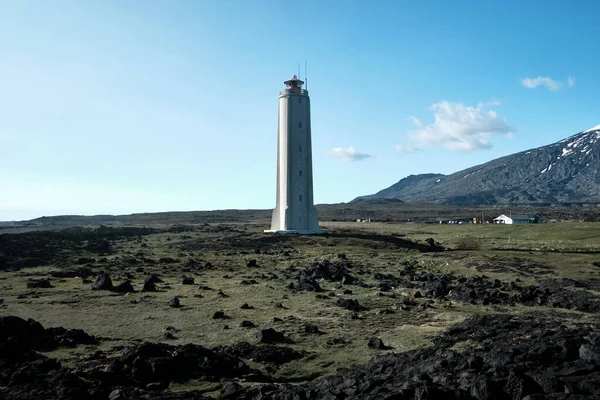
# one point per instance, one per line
(153, 278)
(232, 391)
(309, 328)
(169, 336)
(336, 271)
(175, 303)
(353, 315)
(308, 285)
(270, 335)
(350, 304)
(219, 315)
(376, 343)
(124, 287)
(589, 352)
(187, 280)
(149, 286)
(103, 282)
(247, 324)
(265, 354)
(40, 284)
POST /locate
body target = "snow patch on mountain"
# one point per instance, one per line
(596, 128)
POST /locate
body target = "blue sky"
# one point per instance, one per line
(140, 106)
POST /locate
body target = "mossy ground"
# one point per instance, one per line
(529, 253)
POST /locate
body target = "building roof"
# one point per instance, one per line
(524, 216)
(518, 216)
(294, 80)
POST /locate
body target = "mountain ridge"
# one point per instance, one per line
(566, 171)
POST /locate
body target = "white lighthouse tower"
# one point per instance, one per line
(294, 211)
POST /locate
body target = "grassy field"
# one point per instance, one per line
(525, 254)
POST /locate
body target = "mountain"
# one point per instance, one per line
(567, 171)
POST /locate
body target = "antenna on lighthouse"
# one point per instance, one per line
(299, 70)
(305, 76)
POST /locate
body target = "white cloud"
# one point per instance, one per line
(458, 127)
(548, 82)
(408, 149)
(348, 154)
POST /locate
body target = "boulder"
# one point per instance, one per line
(350, 304)
(219, 315)
(266, 354)
(124, 287)
(187, 280)
(376, 343)
(153, 278)
(270, 335)
(149, 286)
(175, 303)
(39, 284)
(309, 328)
(103, 282)
(232, 391)
(247, 324)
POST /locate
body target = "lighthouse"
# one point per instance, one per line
(294, 210)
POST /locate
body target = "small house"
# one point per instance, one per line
(519, 219)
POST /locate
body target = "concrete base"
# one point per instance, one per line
(278, 231)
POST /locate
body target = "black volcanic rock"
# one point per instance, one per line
(175, 303)
(265, 353)
(270, 335)
(528, 356)
(103, 282)
(124, 287)
(562, 172)
(149, 286)
(39, 284)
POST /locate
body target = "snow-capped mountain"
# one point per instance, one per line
(567, 171)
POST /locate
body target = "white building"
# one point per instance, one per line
(294, 211)
(519, 219)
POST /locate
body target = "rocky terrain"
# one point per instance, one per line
(562, 172)
(531, 356)
(368, 311)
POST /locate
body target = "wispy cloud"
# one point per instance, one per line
(408, 149)
(458, 127)
(547, 82)
(348, 154)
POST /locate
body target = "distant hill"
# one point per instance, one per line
(567, 171)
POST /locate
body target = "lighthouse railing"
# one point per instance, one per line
(294, 91)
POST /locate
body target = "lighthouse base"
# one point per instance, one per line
(297, 232)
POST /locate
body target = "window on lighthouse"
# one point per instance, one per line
(299, 149)
(300, 124)
(300, 173)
